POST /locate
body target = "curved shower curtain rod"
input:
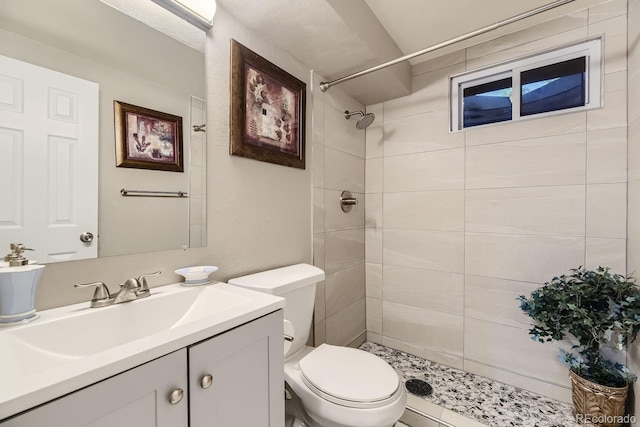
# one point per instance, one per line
(326, 85)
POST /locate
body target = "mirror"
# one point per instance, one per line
(131, 63)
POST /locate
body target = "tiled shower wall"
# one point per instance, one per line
(633, 233)
(338, 237)
(459, 224)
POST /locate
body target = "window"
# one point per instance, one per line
(563, 80)
(487, 102)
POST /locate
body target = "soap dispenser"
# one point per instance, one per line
(18, 283)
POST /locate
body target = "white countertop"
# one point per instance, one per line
(36, 370)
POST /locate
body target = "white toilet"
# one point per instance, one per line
(336, 386)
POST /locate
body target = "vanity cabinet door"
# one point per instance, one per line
(135, 398)
(237, 378)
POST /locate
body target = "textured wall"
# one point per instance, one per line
(633, 233)
(259, 214)
(338, 237)
(459, 224)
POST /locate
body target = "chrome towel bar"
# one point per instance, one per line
(148, 193)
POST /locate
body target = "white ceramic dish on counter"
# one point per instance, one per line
(196, 275)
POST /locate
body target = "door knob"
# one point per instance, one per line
(86, 237)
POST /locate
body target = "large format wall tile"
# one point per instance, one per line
(436, 170)
(318, 165)
(374, 142)
(343, 171)
(373, 276)
(633, 210)
(555, 160)
(373, 210)
(470, 220)
(434, 250)
(374, 315)
(319, 309)
(416, 134)
(320, 333)
(429, 92)
(338, 238)
(529, 210)
(435, 290)
(528, 129)
(614, 113)
(555, 26)
(344, 288)
(538, 45)
(439, 62)
(633, 236)
(374, 175)
(343, 249)
(318, 210)
(346, 325)
(603, 252)
(607, 156)
(449, 359)
(336, 219)
(342, 134)
(527, 258)
(496, 300)
(428, 210)
(513, 350)
(615, 55)
(607, 210)
(428, 328)
(373, 245)
(607, 10)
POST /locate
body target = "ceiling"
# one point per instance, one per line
(338, 37)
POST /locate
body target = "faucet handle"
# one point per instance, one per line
(101, 296)
(143, 290)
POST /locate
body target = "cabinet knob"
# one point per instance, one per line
(206, 381)
(176, 396)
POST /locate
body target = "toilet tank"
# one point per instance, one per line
(297, 285)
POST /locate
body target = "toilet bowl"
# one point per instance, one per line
(335, 386)
(345, 387)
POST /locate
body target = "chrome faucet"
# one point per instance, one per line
(130, 290)
(143, 288)
(127, 291)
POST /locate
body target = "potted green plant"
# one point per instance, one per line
(594, 308)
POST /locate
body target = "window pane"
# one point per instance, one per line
(487, 103)
(553, 87)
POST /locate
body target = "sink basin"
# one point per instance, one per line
(91, 330)
(71, 347)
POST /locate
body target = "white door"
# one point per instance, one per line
(48, 162)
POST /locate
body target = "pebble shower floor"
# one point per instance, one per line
(487, 401)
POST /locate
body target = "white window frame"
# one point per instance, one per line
(591, 49)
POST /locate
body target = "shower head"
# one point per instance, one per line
(364, 122)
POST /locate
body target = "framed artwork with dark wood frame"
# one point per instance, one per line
(147, 139)
(267, 110)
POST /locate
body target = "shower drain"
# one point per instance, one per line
(418, 387)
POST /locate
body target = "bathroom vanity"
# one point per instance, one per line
(182, 357)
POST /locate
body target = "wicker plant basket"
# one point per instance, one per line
(595, 404)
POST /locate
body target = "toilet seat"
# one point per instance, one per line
(349, 377)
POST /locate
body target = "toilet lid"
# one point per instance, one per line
(349, 375)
